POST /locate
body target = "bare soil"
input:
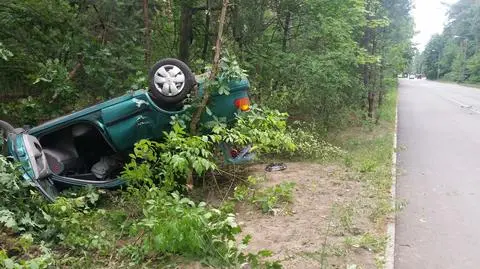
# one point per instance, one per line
(306, 233)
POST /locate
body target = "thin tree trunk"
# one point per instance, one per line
(213, 74)
(365, 67)
(381, 92)
(206, 95)
(372, 80)
(102, 23)
(185, 33)
(286, 31)
(206, 37)
(146, 35)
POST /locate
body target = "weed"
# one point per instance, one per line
(380, 261)
(368, 241)
(348, 161)
(369, 157)
(400, 205)
(310, 145)
(267, 199)
(368, 166)
(271, 197)
(42, 261)
(381, 209)
(345, 216)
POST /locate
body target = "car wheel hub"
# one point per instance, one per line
(169, 80)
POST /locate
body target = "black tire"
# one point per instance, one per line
(5, 129)
(182, 79)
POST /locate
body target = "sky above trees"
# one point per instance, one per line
(430, 17)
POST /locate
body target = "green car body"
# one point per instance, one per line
(47, 152)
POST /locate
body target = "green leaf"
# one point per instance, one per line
(209, 112)
(8, 263)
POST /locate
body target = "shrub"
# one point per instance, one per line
(19, 201)
(267, 199)
(310, 145)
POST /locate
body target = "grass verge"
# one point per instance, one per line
(369, 157)
(341, 202)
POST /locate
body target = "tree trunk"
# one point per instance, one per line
(206, 37)
(146, 35)
(365, 67)
(215, 66)
(286, 31)
(206, 96)
(185, 33)
(373, 79)
(381, 92)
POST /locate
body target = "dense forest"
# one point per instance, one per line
(454, 54)
(323, 77)
(322, 58)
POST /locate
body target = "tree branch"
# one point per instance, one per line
(213, 74)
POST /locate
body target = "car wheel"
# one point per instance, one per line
(5, 129)
(170, 81)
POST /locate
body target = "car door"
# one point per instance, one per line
(26, 149)
(128, 122)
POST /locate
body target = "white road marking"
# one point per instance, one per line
(390, 248)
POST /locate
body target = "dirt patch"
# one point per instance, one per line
(307, 233)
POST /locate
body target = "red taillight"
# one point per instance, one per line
(234, 153)
(243, 104)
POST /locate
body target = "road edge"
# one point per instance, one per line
(390, 249)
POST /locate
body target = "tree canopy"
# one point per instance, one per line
(454, 55)
(311, 57)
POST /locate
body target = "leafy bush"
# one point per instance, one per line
(172, 224)
(19, 202)
(267, 199)
(45, 260)
(180, 154)
(272, 197)
(171, 160)
(310, 145)
(74, 222)
(265, 129)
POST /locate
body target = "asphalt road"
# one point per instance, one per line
(439, 176)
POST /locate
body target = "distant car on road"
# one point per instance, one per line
(412, 76)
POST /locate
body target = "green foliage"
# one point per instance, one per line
(272, 197)
(367, 241)
(44, 261)
(19, 201)
(58, 89)
(453, 55)
(310, 145)
(5, 54)
(267, 199)
(171, 160)
(156, 223)
(265, 129)
(230, 70)
(75, 223)
(172, 224)
(345, 216)
(45, 40)
(312, 68)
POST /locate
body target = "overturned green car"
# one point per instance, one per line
(90, 147)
